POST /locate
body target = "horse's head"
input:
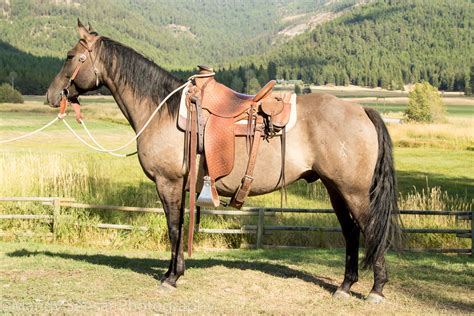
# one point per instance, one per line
(79, 73)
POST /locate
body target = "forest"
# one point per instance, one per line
(385, 43)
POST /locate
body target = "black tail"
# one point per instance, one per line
(383, 224)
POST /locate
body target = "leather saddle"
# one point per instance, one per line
(216, 115)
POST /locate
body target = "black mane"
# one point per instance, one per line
(144, 77)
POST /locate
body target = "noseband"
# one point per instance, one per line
(65, 92)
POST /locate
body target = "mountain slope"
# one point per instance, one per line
(175, 34)
(386, 44)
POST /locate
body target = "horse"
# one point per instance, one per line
(345, 145)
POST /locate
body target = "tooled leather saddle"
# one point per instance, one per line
(216, 115)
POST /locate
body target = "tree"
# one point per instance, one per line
(272, 70)
(9, 95)
(12, 77)
(425, 104)
(298, 89)
(253, 86)
(237, 84)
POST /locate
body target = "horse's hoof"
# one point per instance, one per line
(375, 298)
(340, 294)
(166, 287)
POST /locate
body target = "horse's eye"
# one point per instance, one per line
(70, 57)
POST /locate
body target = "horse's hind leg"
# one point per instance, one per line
(380, 278)
(351, 233)
(171, 195)
(350, 210)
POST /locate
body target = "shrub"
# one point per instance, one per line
(425, 104)
(298, 89)
(9, 95)
(307, 89)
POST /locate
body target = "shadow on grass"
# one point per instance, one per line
(461, 186)
(421, 270)
(153, 268)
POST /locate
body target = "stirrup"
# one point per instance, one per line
(208, 196)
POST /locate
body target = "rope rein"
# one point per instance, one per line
(98, 147)
(31, 133)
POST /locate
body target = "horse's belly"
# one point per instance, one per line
(268, 168)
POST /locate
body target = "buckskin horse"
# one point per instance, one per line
(344, 145)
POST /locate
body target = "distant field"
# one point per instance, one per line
(434, 166)
(452, 110)
(108, 124)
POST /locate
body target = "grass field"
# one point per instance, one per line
(43, 279)
(434, 170)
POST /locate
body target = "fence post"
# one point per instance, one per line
(56, 213)
(472, 233)
(261, 215)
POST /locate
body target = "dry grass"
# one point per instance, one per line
(52, 164)
(44, 279)
(456, 133)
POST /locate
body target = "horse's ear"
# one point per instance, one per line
(81, 29)
(87, 35)
(91, 30)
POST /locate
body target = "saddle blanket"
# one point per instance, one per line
(183, 112)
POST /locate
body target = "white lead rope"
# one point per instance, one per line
(99, 147)
(102, 149)
(31, 133)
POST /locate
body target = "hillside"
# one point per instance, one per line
(176, 35)
(386, 44)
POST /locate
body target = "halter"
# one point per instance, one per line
(64, 93)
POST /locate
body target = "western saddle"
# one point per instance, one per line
(216, 115)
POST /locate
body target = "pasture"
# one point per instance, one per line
(38, 278)
(100, 271)
(433, 162)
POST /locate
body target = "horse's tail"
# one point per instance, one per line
(382, 225)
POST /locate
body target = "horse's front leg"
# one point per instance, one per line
(172, 196)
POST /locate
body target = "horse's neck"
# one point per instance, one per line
(136, 111)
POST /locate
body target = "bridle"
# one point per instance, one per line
(65, 91)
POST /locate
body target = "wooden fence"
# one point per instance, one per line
(260, 229)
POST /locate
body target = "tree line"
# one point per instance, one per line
(386, 44)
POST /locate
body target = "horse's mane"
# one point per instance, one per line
(144, 77)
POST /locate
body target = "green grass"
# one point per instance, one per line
(452, 171)
(43, 279)
(433, 162)
(466, 111)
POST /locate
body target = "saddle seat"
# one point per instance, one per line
(222, 101)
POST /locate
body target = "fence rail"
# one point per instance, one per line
(260, 230)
